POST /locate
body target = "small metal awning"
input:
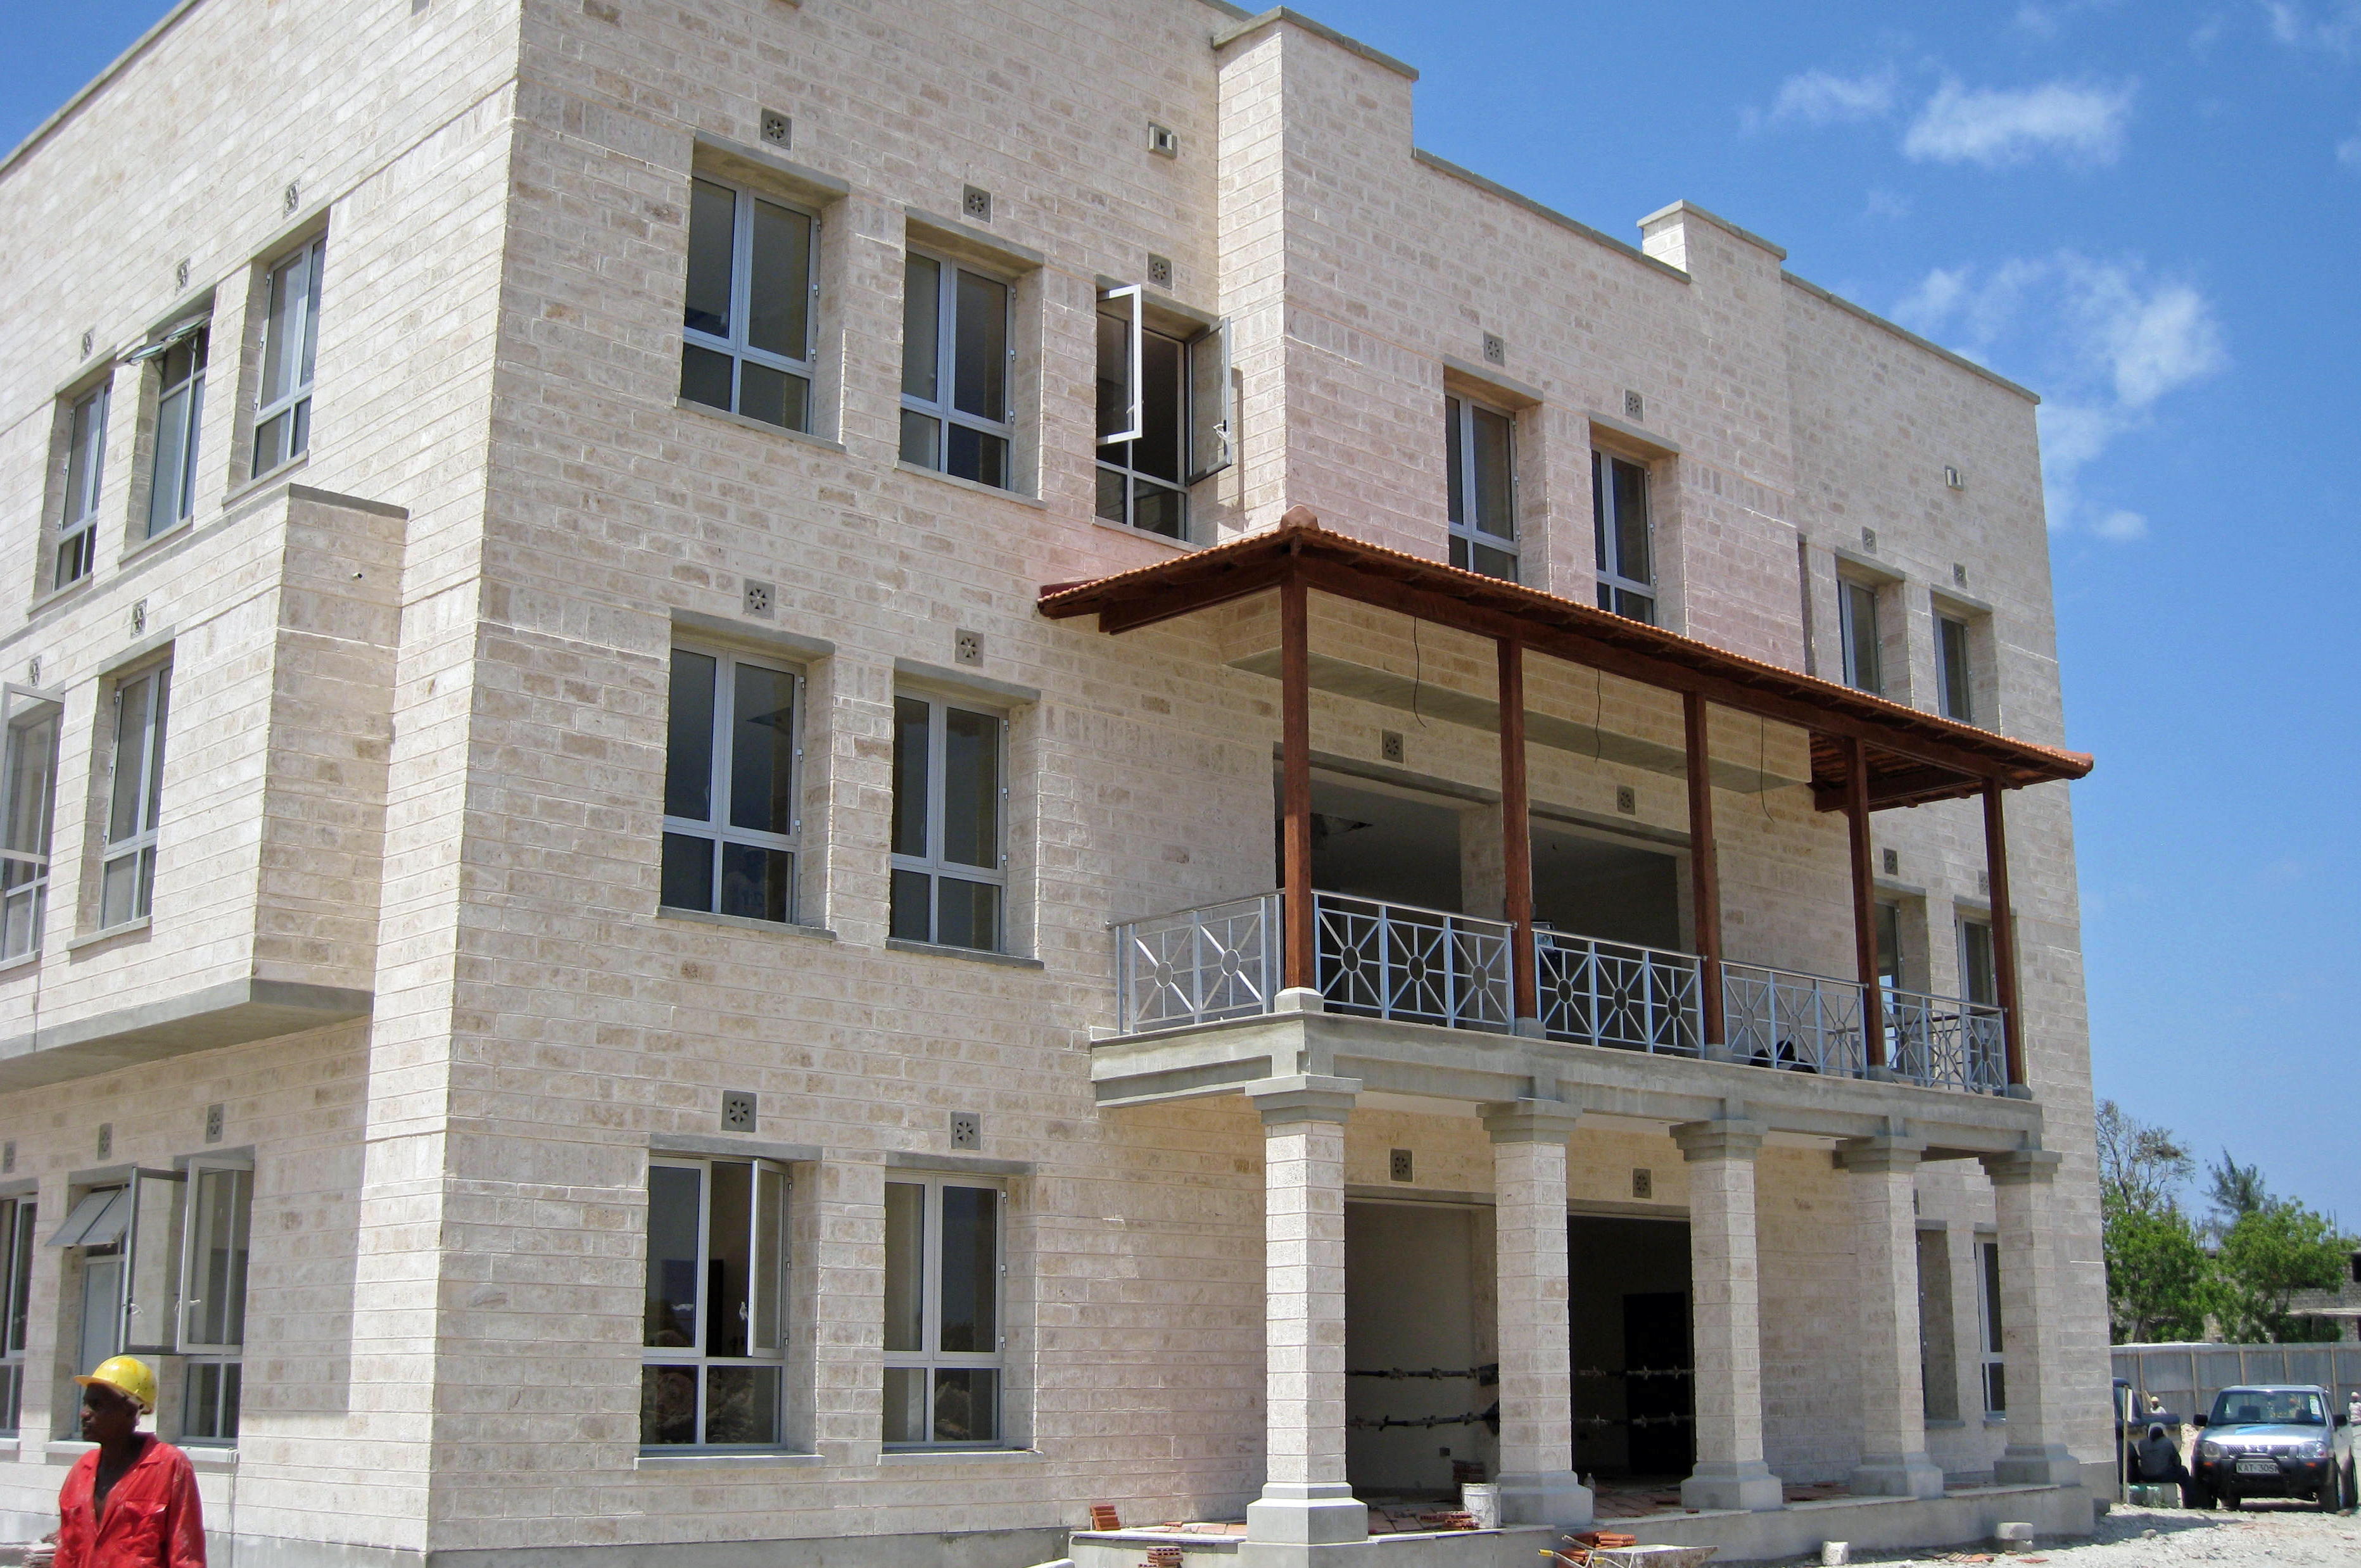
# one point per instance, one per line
(98, 1220)
(1911, 757)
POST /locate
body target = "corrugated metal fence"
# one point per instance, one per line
(2186, 1376)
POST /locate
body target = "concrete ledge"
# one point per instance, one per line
(229, 1014)
(1879, 1524)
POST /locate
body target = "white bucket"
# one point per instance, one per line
(1481, 1500)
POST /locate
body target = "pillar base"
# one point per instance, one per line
(1747, 1487)
(1320, 1513)
(2046, 1465)
(1551, 1498)
(1897, 1475)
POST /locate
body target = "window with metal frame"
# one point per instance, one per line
(77, 546)
(1624, 532)
(956, 358)
(747, 320)
(179, 412)
(1163, 414)
(1480, 452)
(733, 754)
(216, 1243)
(944, 1336)
(1988, 1327)
(128, 1238)
(1978, 974)
(291, 342)
(1953, 672)
(134, 794)
(950, 869)
(1889, 945)
(17, 1217)
(1857, 628)
(712, 1372)
(29, 778)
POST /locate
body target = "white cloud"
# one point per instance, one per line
(2348, 151)
(1823, 98)
(2123, 527)
(2337, 29)
(1995, 127)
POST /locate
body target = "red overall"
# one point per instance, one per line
(152, 1520)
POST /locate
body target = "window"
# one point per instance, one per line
(1989, 1327)
(1164, 416)
(942, 1313)
(128, 877)
(731, 751)
(1979, 975)
(1625, 537)
(1952, 669)
(1938, 1354)
(129, 1242)
(213, 1310)
(955, 362)
(85, 472)
(748, 321)
(16, 1220)
(290, 340)
(26, 793)
(1889, 945)
(1857, 625)
(180, 411)
(712, 1372)
(949, 869)
(1480, 448)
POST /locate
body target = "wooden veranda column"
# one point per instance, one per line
(2003, 929)
(1704, 871)
(1865, 903)
(1516, 829)
(1298, 967)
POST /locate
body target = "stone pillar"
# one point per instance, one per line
(2031, 1360)
(1537, 1480)
(1724, 1295)
(1893, 1461)
(1305, 1499)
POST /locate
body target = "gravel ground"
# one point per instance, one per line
(2264, 1535)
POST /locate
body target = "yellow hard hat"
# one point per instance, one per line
(125, 1374)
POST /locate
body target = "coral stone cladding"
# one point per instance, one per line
(405, 929)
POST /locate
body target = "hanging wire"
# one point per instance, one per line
(1762, 765)
(1418, 673)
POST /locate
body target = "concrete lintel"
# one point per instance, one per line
(1884, 1155)
(1722, 1137)
(1532, 1121)
(1303, 1097)
(2021, 1165)
(230, 1013)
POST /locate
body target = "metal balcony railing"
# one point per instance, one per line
(1798, 1022)
(1417, 965)
(1943, 1042)
(1199, 965)
(1612, 993)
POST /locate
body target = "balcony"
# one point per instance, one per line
(1409, 965)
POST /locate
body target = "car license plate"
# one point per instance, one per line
(2259, 1467)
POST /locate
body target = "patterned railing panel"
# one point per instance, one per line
(1796, 1023)
(1419, 966)
(1221, 961)
(1942, 1042)
(1612, 993)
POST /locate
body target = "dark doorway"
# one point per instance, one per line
(1659, 1392)
(1374, 843)
(1634, 1390)
(1421, 1386)
(1593, 885)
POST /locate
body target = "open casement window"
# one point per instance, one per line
(17, 1222)
(77, 546)
(943, 1331)
(1953, 672)
(1979, 975)
(1625, 536)
(1988, 1327)
(732, 754)
(291, 342)
(713, 1361)
(1857, 627)
(949, 872)
(956, 363)
(129, 1238)
(28, 777)
(135, 792)
(1163, 414)
(215, 1245)
(1479, 446)
(747, 322)
(180, 411)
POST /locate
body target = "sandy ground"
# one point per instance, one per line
(2264, 1535)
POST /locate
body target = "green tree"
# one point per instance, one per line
(2141, 1165)
(2269, 1254)
(2158, 1284)
(2236, 1191)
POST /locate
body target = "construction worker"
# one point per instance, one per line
(131, 1502)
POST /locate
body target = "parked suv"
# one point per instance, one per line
(2275, 1441)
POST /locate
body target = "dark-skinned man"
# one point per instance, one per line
(131, 1502)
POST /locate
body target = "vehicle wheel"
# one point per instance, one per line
(2202, 1497)
(2329, 1486)
(2230, 1501)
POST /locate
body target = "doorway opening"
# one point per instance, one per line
(1590, 884)
(1422, 1359)
(1634, 1375)
(1392, 846)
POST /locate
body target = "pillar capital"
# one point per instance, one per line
(1723, 1138)
(2021, 1165)
(1883, 1156)
(1532, 1121)
(1304, 1097)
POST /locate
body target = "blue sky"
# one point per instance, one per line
(2144, 209)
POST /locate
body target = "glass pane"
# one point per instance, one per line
(757, 882)
(164, 682)
(200, 1404)
(315, 261)
(922, 287)
(780, 308)
(132, 700)
(1634, 559)
(154, 1274)
(1637, 607)
(32, 766)
(675, 1193)
(970, 1268)
(705, 376)
(1158, 510)
(164, 477)
(217, 1255)
(1495, 562)
(20, 1280)
(712, 218)
(86, 457)
(1889, 945)
(920, 434)
(1601, 513)
(1992, 1296)
(1157, 451)
(144, 898)
(741, 1405)
(905, 1404)
(762, 750)
(298, 428)
(11, 1394)
(1495, 492)
(770, 1258)
(967, 1404)
(973, 454)
(773, 396)
(1455, 463)
(1861, 637)
(687, 873)
(967, 914)
(971, 788)
(688, 737)
(911, 916)
(102, 1310)
(911, 717)
(1114, 370)
(281, 325)
(906, 1272)
(1995, 1387)
(1978, 973)
(1111, 489)
(980, 375)
(271, 442)
(667, 1406)
(1959, 700)
(1459, 552)
(728, 1311)
(119, 892)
